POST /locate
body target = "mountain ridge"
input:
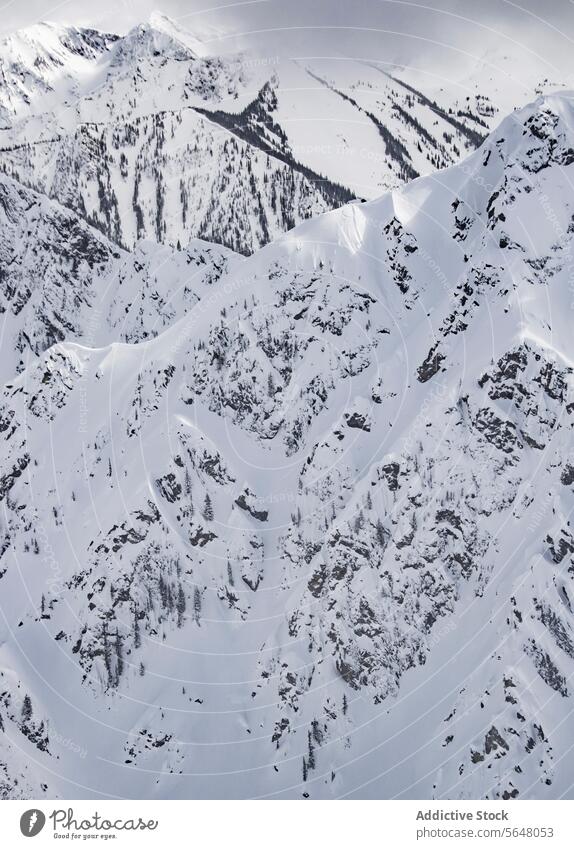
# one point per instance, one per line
(312, 539)
(120, 129)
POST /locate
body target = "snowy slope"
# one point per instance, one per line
(44, 67)
(61, 279)
(313, 538)
(149, 136)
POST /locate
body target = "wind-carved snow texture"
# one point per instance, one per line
(296, 524)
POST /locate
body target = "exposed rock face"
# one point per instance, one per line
(285, 547)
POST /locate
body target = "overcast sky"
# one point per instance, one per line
(401, 30)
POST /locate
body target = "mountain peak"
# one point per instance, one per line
(51, 36)
(548, 120)
(159, 36)
(157, 20)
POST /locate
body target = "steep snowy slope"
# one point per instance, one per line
(314, 538)
(43, 67)
(63, 280)
(146, 136)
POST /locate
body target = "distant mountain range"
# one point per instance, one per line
(144, 136)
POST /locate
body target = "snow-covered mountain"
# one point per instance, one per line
(312, 538)
(149, 136)
(63, 279)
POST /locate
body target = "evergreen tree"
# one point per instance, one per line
(137, 635)
(107, 653)
(163, 592)
(208, 509)
(180, 605)
(311, 748)
(119, 657)
(27, 708)
(381, 533)
(196, 604)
